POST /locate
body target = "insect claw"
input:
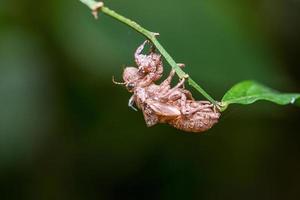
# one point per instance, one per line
(216, 108)
(186, 76)
(152, 48)
(181, 65)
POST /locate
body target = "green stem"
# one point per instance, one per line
(95, 6)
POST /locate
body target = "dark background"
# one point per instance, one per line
(66, 131)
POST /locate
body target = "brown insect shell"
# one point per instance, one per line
(198, 122)
(148, 63)
(143, 93)
(130, 74)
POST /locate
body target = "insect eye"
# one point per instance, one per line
(130, 86)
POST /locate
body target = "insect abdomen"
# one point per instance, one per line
(199, 122)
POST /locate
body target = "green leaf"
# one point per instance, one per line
(248, 92)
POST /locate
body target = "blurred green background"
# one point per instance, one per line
(66, 131)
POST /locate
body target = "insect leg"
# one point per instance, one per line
(174, 89)
(179, 84)
(131, 103)
(186, 109)
(167, 82)
(199, 108)
(139, 51)
(204, 102)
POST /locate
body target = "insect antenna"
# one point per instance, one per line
(117, 83)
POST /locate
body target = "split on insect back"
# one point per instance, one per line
(162, 103)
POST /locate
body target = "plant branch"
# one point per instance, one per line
(98, 6)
